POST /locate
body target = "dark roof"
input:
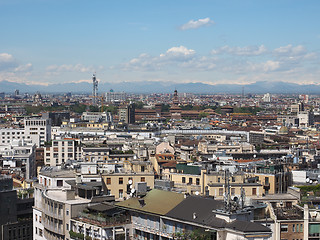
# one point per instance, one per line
(246, 227)
(100, 207)
(85, 185)
(198, 210)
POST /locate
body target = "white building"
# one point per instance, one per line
(19, 156)
(8, 135)
(266, 97)
(112, 96)
(55, 204)
(97, 117)
(61, 151)
(40, 127)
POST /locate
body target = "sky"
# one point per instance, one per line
(208, 41)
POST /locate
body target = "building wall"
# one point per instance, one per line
(40, 127)
(292, 231)
(118, 182)
(61, 151)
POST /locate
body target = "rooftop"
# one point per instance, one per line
(156, 201)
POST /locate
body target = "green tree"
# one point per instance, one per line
(165, 108)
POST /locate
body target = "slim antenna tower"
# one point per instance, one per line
(95, 88)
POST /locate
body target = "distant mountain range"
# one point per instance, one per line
(164, 87)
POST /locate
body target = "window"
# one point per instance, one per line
(36, 230)
(218, 179)
(183, 180)
(190, 180)
(36, 218)
(67, 212)
(254, 191)
(108, 181)
(40, 232)
(284, 228)
(142, 168)
(39, 219)
(233, 191)
(220, 191)
(67, 226)
(301, 227)
(294, 227)
(197, 181)
(120, 193)
(143, 179)
(121, 180)
(59, 183)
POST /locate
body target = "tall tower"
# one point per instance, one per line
(95, 88)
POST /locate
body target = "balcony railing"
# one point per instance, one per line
(103, 221)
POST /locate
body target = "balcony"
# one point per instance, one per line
(54, 227)
(55, 213)
(102, 221)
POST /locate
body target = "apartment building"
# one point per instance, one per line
(7, 135)
(19, 156)
(40, 127)
(55, 204)
(61, 151)
(122, 184)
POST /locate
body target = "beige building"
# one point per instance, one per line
(62, 150)
(210, 148)
(118, 184)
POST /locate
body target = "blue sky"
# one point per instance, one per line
(56, 41)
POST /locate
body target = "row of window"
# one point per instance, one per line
(120, 180)
(295, 227)
(191, 180)
(13, 133)
(55, 143)
(35, 123)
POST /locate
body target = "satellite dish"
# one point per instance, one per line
(131, 186)
(197, 193)
(130, 181)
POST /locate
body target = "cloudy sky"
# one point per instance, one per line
(209, 41)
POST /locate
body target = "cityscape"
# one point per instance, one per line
(159, 120)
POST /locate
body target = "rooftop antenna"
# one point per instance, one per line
(227, 197)
(95, 88)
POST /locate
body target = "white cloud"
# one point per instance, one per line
(194, 24)
(271, 66)
(73, 68)
(290, 50)
(241, 51)
(24, 68)
(173, 57)
(7, 62)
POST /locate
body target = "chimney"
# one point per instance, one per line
(142, 203)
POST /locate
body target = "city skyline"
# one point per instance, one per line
(212, 42)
